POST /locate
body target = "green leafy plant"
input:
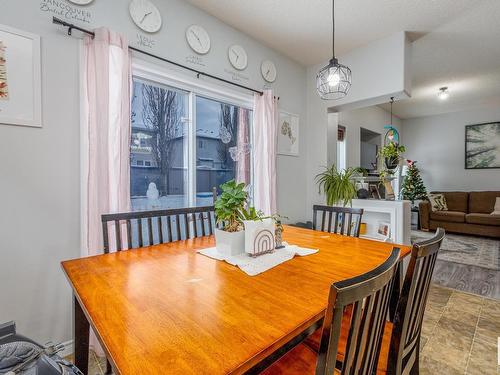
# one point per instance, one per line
(231, 208)
(337, 185)
(230, 205)
(361, 171)
(251, 214)
(392, 151)
(385, 174)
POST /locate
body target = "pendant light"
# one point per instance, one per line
(334, 80)
(392, 134)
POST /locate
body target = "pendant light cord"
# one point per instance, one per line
(392, 101)
(333, 28)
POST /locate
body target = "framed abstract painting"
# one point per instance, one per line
(20, 78)
(482, 146)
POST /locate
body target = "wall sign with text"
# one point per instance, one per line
(64, 10)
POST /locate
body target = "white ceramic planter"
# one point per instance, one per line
(230, 243)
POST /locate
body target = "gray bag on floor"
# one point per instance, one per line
(22, 356)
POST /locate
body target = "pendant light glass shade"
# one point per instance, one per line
(334, 80)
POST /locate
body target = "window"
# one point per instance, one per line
(184, 143)
(341, 149)
(223, 154)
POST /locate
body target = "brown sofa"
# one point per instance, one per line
(468, 213)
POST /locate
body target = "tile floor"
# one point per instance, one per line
(459, 335)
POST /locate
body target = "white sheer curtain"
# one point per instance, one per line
(265, 126)
(105, 102)
(105, 116)
(242, 144)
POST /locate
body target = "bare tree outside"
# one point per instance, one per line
(161, 115)
(228, 125)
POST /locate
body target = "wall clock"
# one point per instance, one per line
(145, 15)
(268, 70)
(237, 57)
(198, 39)
(81, 2)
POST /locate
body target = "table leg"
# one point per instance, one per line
(81, 338)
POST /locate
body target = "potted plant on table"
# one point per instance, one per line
(338, 186)
(391, 153)
(229, 213)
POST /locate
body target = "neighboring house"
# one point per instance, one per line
(211, 168)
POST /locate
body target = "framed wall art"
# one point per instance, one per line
(482, 146)
(288, 134)
(20, 78)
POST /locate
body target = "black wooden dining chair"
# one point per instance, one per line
(405, 341)
(341, 220)
(352, 327)
(130, 230)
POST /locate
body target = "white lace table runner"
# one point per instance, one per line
(254, 266)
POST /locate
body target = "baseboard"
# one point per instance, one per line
(68, 349)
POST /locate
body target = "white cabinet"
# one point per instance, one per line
(397, 214)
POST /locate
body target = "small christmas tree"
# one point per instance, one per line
(413, 187)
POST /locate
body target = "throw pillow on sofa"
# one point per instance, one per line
(496, 209)
(438, 202)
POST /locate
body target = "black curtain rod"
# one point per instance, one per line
(199, 73)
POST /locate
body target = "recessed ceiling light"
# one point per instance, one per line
(443, 93)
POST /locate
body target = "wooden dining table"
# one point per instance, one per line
(166, 309)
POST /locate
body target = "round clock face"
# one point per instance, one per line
(145, 15)
(268, 70)
(81, 2)
(198, 39)
(237, 57)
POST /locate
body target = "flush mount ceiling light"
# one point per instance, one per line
(334, 80)
(443, 93)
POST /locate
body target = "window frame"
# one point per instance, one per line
(194, 87)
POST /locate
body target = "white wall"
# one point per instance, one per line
(438, 144)
(40, 174)
(372, 118)
(375, 79)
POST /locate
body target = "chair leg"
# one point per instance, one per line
(109, 370)
(415, 367)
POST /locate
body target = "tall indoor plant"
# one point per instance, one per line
(338, 186)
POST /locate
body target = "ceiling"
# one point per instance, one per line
(456, 42)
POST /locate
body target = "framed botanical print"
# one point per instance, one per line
(288, 134)
(20, 78)
(482, 146)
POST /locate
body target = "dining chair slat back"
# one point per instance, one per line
(405, 340)
(338, 220)
(130, 230)
(365, 300)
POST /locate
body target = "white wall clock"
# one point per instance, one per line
(237, 57)
(198, 39)
(145, 15)
(81, 2)
(268, 70)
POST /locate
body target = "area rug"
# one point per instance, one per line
(476, 251)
